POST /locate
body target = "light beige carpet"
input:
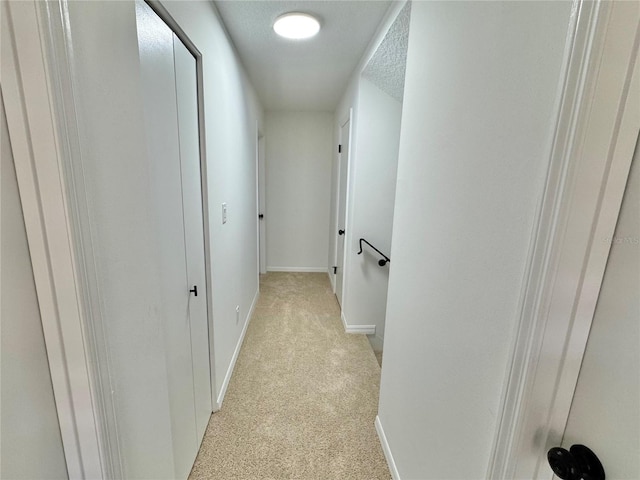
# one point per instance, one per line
(303, 398)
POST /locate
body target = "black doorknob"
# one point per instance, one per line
(194, 290)
(577, 463)
(340, 232)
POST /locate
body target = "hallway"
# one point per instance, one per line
(303, 397)
(443, 183)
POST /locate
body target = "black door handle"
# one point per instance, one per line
(260, 216)
(194, 290)
(340, 232)
(577, 463)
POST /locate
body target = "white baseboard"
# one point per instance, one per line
(364, 329)
(236, 352)
(297, 269)
(387, 450)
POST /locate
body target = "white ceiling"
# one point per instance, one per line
(305, 74)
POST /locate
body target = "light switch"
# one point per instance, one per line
(224, 213)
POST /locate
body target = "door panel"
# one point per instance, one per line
(342, 207)
(187, 104)
(157, 69)
(262, 202)
(605, 413)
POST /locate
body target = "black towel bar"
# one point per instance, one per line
(383, 261)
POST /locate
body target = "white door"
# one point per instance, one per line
(342, 207)
(605, 413)
(262, 201)
(171, 123)
(188, 128)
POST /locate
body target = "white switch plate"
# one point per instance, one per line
(237, 314)
(224, 213)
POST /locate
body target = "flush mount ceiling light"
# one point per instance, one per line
(296, 26)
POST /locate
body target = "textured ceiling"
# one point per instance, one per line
(305, 74)
(387, 66)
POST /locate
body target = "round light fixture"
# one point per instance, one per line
(296, 25)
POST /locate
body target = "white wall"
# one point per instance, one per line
(298, 181)
(605, 413)
(481, 85)
(29, 433)
(373, 169)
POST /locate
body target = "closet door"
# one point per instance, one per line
(171, 124)
(187, 105)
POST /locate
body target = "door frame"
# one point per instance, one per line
(341, 158)
(36, 133)
(594, 139)
(38, 86)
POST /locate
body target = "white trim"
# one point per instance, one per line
(59, 58)
(587, 174)
(386, 449)
(39, 160)
(360, 329)
(236, 352)
(297, 269)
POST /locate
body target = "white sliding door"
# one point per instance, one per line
(187, 104)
